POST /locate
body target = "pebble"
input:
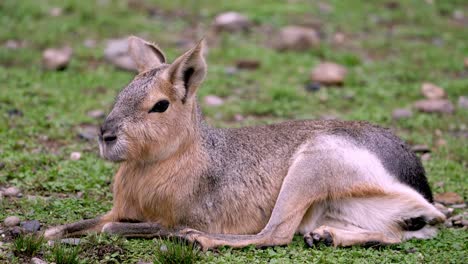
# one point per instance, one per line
(12, 192)
(11, 221)
(213, 100)
(116, 53)
(75, 156)
(55, 11)
(465, 62)
(426, 156)
(231, 22)
(448, 198)
(434, 106)
(88, 132)
(402, 113)
(71, 241)
(57, 59)
(297, 38)
(37, 261)
(328, 73)
(463, 102)
(432, 91)
(2, 165)
(31, 226)
(312, 87)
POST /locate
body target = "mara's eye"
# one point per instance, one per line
(159, 107)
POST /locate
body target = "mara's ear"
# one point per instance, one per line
(188, 71)
(146, 55)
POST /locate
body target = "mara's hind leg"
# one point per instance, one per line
(383, 219)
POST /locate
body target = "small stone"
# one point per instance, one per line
(37, 261)
(116, 52)
(238, 117)
(14, 44)
(297, 38)
(55, 11)
(420, 148)
(213, 100)
(448, 198)
(2, 165)
(230, 70)
(88, 132)
(11, 192)
(57, 59)
(328, 73)
(432, 91)
(402, 113)
(448, 224)
(458, 15)
(79, 195)
(1, 195)
(434, 106)
(312, 87)
(75, 156)
(458, 206)
(463, 102)
(231, 22)
(247, 64)
(465, 62)
(14, 112)
(464, 222)
(97, 113)
(143, 262)
(71, 241)
(89, 43)
(11, 221)
(339, 38)
(440, 142)
(31, 226)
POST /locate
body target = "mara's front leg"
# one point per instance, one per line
(79, 228)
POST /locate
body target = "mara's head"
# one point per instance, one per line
(155, 115)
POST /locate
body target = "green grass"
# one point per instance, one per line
(175, 252)
(388, 52)
(27, 245)
(64, 254)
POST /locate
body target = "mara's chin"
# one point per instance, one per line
(109, 153)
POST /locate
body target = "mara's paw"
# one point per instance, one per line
(320, 235)
(194, 237)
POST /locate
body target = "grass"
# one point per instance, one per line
(389, 53)
(64, 254)
(175, 252)
(27, 245)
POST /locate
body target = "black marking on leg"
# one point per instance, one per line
(372, 243)
(413, 224)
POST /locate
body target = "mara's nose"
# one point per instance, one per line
(107, 135)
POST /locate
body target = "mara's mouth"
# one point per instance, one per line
(113, 151)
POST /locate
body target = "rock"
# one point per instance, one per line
(238, 117)
(143, 262)
(231, 22)
(247, 64)
(339, 38)
(312, 87)
(440, 142)
(71, 241)
(213, 100)
(458, 206)
(12, 192)
(297, 38)
(463, 102)
(75, 156)
(448, 198)
(434, 106)
(31, 226)
(88, 132)
(458, 15)
(328, 73)
(116, 52)
(97, 113)
(14, 44)
(1, 196)
(402, 113)
(57, 59)
(230, 70)
(11, 221)
(432, 91)
(2, 165)
(37, 261)
(14, 112)
(465, 62)
(89, 43)
(55, 11)
(420, 148)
